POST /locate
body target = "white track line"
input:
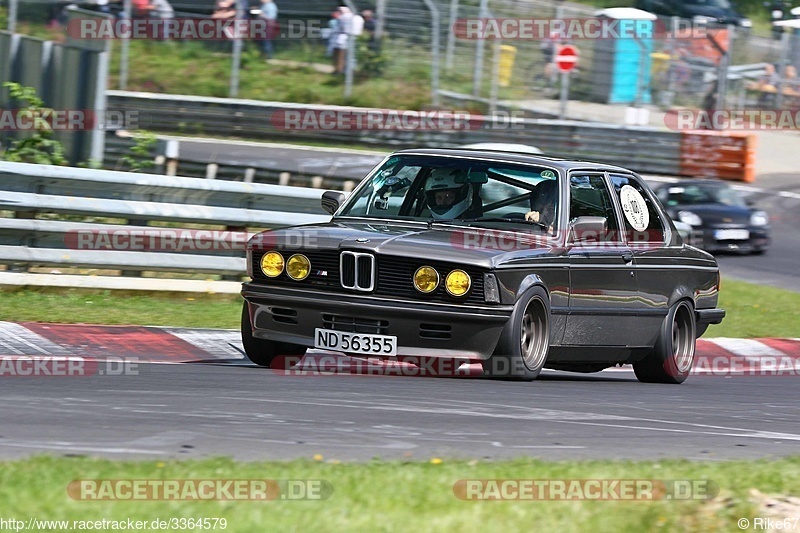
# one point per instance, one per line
(746, 347)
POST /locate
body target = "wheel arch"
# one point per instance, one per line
(530, 281)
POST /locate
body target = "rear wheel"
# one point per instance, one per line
(525, 341)
(671, 359)
(262, 351)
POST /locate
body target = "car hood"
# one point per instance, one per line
(475, 246)
(715, 214)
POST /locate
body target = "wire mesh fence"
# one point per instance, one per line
(420, 44)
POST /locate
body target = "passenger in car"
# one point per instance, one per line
(543, 204)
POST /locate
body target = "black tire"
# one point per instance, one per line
(672, 357)
(263, 352)
(525, 341)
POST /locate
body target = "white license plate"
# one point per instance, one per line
(363, 343)
(732, 234)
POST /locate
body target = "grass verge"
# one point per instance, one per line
(752, 310)
(404, 496)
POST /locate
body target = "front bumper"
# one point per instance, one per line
(707, 240)
(423, 329)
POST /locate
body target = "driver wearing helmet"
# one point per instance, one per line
(449, 195)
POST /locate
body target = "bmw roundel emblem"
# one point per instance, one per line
(362, 240)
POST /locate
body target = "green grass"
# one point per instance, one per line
(106, 307)
(757, 311)
(403, 496)
(752, 310)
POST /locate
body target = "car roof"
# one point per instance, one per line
(708, 182)
(515, 157)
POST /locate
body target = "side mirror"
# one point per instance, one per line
(331, 200)
(588, 229)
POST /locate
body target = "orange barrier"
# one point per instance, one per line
(717, 154)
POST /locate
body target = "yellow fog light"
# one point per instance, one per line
(426, 279)
(272, 264)
(298, 267)
(457, 283)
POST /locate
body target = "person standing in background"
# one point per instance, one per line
(341, 37)
(329, 33)
(369, 28)
(269, 12)
(142, 8)
(225, 9)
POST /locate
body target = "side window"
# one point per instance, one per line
(641, 218)
(589, 197)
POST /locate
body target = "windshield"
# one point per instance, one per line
(467, 191)
(700, 194)
(724, 4)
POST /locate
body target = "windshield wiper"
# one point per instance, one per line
(513, 220)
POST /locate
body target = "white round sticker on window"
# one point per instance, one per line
(634, 207)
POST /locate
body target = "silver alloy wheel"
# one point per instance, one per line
(535, 334)
(683, 338)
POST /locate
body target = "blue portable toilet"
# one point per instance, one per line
(621, 66)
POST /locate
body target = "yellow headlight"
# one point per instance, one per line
(298, 267)
(272, 264)
(426, 279)
(457, 283)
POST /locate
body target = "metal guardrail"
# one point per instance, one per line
(127, 203)
(644, 149)
(117, 147)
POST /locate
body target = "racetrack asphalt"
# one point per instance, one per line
(167, 392)
(250, 413)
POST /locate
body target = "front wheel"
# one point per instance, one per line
(671, 359)
(262, 351)
(525, 341)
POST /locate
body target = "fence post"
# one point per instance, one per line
(785, 39)
(12, 15)
(722, 73)
(435, 29)
(495, 78)
(477, 74)
(125, 49)
(237, 51)
(451, 35)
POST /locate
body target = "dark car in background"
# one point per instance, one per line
(722, 220)
(702, 11)
(514, 261)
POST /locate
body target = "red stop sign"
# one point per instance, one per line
(567, 58)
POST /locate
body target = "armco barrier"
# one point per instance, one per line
(644, 149)
(43, 197)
